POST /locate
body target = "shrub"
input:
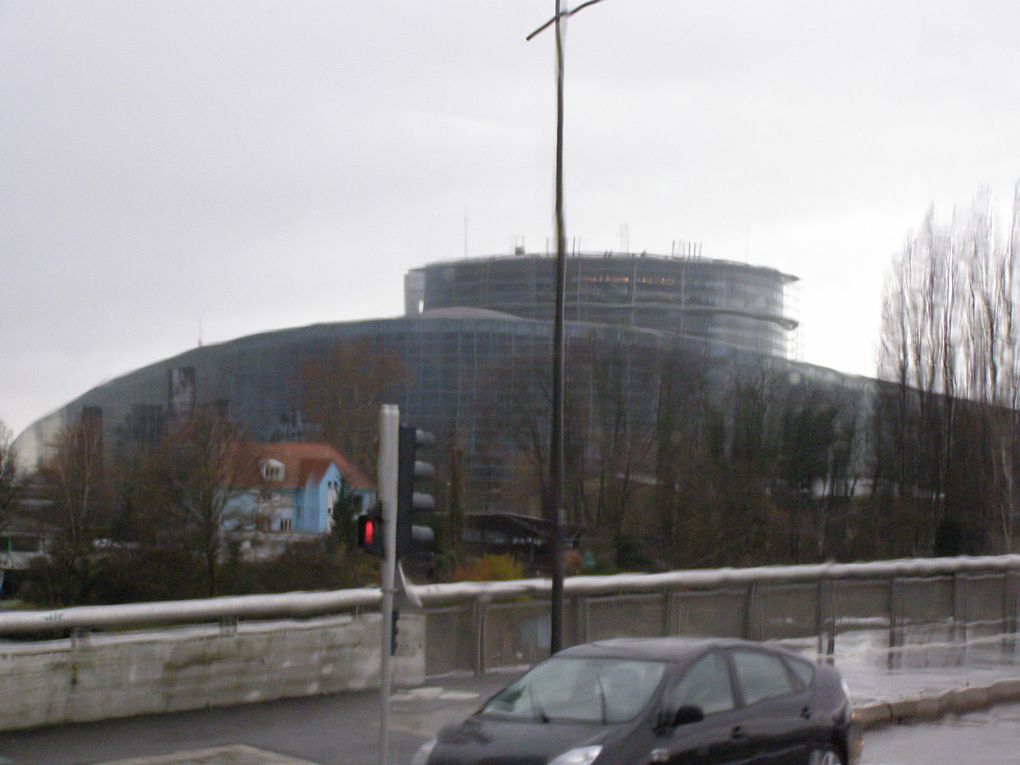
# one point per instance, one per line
(490, 568)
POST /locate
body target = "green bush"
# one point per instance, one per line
(490, 568)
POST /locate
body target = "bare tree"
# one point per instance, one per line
(623, 440)
(10, 481)
(948, 427)
(515, 405)
(685, 429)
(990, 362)
(342, 395)
(76, 486)
(188, 485)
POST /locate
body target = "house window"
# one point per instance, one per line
(285, 524)
(272, 470)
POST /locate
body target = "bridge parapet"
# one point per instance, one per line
(269, 646)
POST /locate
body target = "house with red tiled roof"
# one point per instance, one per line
(297, 488)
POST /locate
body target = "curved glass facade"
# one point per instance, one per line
(730, 303)
(481, 385)
(471, 381)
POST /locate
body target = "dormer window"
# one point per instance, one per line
(272, 470)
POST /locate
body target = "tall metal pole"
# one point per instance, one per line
(556, 436)
(555, 509)
(389, 435)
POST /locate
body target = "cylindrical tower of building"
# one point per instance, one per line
(725, 302)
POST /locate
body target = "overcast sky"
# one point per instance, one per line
(254, 165)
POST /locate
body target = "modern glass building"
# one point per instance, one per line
(476, 347)
(729, 303)
(464, 368)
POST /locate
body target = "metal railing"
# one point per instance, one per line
(477, 626)
(211, 610)
(480, 626)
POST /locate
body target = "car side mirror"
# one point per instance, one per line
(687, 714)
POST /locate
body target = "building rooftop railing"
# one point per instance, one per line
(609, 255)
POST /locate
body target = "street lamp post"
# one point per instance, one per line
(555, 508)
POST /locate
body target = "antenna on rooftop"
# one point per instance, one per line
(199, 331)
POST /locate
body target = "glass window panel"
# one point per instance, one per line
(761, 675)
(705, 685)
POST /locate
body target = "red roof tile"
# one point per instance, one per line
(302, 461)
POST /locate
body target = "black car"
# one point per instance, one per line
(662, 700)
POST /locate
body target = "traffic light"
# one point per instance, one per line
(409, 470)
(370, 533)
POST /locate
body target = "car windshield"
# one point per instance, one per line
(580, 689)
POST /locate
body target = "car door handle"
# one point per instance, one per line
(737, 733)
(806, 713)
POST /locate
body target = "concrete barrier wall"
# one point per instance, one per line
(471, 626)
(105, 676)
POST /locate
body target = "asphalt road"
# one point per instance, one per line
(343, 729)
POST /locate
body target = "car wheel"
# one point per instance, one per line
(826, 756)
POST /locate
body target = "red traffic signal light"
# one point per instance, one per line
(370, 534)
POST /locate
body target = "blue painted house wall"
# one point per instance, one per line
(308, 508)
(312, 502)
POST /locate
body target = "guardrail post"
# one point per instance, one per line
(752, 614)
(960, 618)
(672, 611)
(825, 616)
(893, 623)
(478, 629)
(819, 619)
(582, 622)
(228, 626)
(1007, 615)
(80, 637)
(1009, 611)
(1012, 587)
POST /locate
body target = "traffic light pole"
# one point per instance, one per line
(389, 435)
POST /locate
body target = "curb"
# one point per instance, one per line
(933, 707)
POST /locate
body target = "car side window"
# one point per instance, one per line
(706, 685)
(803, 670)
(761, 675)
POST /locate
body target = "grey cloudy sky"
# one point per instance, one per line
(252, 165)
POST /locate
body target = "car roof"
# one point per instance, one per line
(671, 649)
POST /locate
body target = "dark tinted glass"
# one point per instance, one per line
(761, 675)
(705, 685)
(803, 670)
(590, 690)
